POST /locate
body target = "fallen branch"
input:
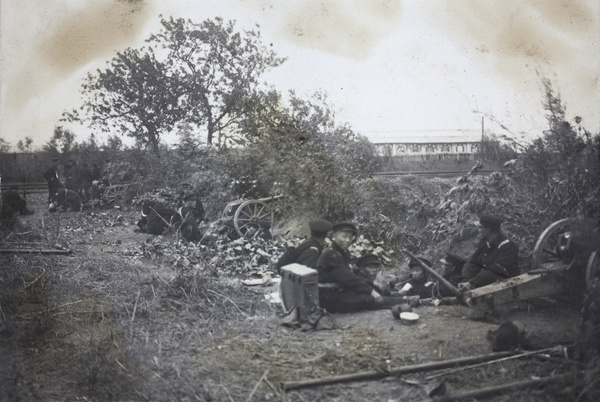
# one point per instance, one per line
(377, 374)
(500, 388)
(32, 251)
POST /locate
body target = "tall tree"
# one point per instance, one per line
(25, 146)
(217, 67)
(62, 142)
(4, 146)
(190, 73)
(137, 95)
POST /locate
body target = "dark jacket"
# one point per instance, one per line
(501, 256)
(51, 174)
(85, 176)
(73, 178)
(309, 252)
(156, 217)
(334, 268)
(67, 199)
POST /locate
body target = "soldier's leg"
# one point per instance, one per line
(345, 301)
(469, 271)
(485, 277)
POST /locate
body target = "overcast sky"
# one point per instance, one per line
(389, 66)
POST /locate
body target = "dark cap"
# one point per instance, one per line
(345, 227)
(72, 161)
(190, 196)
(367, 259)
(489, 221)
(319, 227)
(414, 264)
(54, 159)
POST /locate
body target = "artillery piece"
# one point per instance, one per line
(565, 256)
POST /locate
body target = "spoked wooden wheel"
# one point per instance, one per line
(548, 247)
(252, 216)
(229, 210)
(113, 194)
(592, 271)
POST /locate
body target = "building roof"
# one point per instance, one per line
(425, 136)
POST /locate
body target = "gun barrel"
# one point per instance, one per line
(437, 276)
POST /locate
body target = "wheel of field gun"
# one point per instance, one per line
(113, 194)
(252, 216)
(592, 270)
(552, 247)
(230, 209)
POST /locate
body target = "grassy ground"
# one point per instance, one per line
(112, 322)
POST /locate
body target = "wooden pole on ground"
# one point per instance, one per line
(377, 374)
(29, 251)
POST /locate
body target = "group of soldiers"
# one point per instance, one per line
(184, 219)
(348, 285)
(78, 184)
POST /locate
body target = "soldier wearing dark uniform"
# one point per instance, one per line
(66, 200)
(418, 284)
(156, 217)
(189, 214)
(72, 176)
(51, 176)
(12, 199)
(310, 249)
(496, 256)
(341, 290)
(85, 176)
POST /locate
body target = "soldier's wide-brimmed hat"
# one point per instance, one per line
(414, 264)
(319, 227)
(367, 259)
(345, 227)
(489, 221)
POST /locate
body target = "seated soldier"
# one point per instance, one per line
(65, 200)
(418, 284)
(156, 217)
(188, 218)
(496, 256)
(340, 289)
(309, 251)
(12, 199)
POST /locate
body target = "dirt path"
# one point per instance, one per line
(112, 322)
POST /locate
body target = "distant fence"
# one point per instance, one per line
(25, 188)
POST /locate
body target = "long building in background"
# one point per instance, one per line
(425, 144)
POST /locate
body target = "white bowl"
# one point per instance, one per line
(409, 318)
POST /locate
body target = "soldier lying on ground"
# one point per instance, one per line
(340, 289)
(156, 217)
(12, 199)
(188, 216)
(496, 256)
(65, 200)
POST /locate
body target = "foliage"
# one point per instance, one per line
(4, 146)
(190, 73)
(217, 67)
(563, 166)
(25, 146)
(301, 151)
(62, 142)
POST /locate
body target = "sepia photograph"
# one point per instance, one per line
(309, 200)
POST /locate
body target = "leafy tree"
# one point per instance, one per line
(136, 95)
(4, 146)
(563, 164)
(217, 67)
(302, 151)
(62, 142)
(190, 73)
(25, 146)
